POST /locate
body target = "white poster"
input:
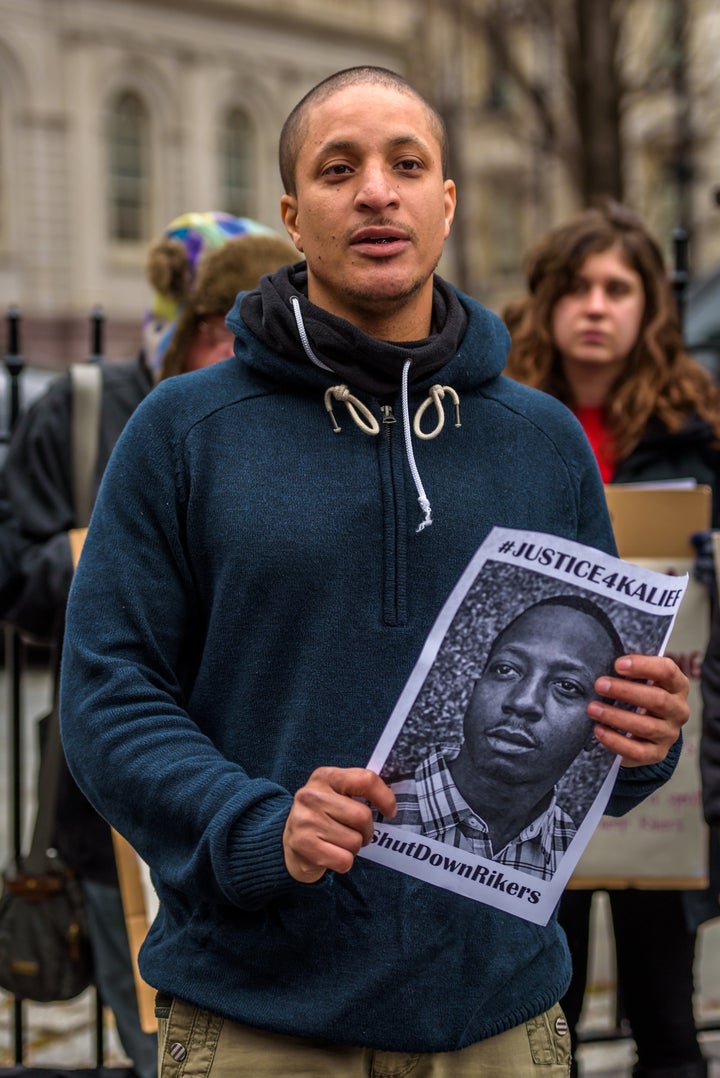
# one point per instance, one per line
(499, 779)
(664, 842)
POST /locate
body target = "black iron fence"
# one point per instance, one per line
(16, 390)
(16, 646)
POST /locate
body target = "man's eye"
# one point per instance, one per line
(570, 688)
(336, 170)
(408, 165)
(503, 669)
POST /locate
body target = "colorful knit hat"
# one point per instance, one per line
(236, 267)
(172, 265)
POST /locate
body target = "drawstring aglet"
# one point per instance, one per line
(427, 515)
(336, 429)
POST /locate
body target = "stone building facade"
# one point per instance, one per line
(117, 115)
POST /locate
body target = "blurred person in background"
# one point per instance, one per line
(38, 473)
(199, 336)
(196, 268)
(598, 329)
(172, 267)
(710, 752)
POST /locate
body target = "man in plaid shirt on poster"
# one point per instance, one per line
(524, 725)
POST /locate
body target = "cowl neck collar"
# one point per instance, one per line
(369, 364)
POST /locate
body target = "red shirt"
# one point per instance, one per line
(596, 431)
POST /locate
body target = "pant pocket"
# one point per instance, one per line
(549, 1038)
(188, 1038)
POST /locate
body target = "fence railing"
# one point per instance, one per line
(15, 647)
(15, 361)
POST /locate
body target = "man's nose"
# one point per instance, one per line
(526, 699)
(378, 188)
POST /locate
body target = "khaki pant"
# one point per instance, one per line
(196, 1044)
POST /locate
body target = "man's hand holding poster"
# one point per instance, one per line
(499, 779)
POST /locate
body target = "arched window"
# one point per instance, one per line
(128, 142)
(237, 155)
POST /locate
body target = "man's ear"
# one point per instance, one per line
(289, 214)
(450, 199)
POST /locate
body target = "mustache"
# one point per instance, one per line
(519, 735)
(407, 231)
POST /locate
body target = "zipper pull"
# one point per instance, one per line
(387, 412)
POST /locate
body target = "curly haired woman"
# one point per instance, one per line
(599, 330)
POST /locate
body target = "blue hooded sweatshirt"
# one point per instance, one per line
(253, 594)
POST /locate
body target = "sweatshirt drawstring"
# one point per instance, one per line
(359, 412)
(366, 421)
(422, 496)
(295, 304)
(435, 396)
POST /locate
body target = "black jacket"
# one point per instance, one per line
(690, 453)
(37, 477)
(710, 744)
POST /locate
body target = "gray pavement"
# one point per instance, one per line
(64, 1034)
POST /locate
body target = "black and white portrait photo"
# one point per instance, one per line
(490, 751)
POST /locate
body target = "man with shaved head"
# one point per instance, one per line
(274, 538)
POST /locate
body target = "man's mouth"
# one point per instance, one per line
(379, 239)
(511, 738)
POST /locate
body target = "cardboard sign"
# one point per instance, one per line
(139, 906)
(76, 537)
(661, 843)
(657, 521)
